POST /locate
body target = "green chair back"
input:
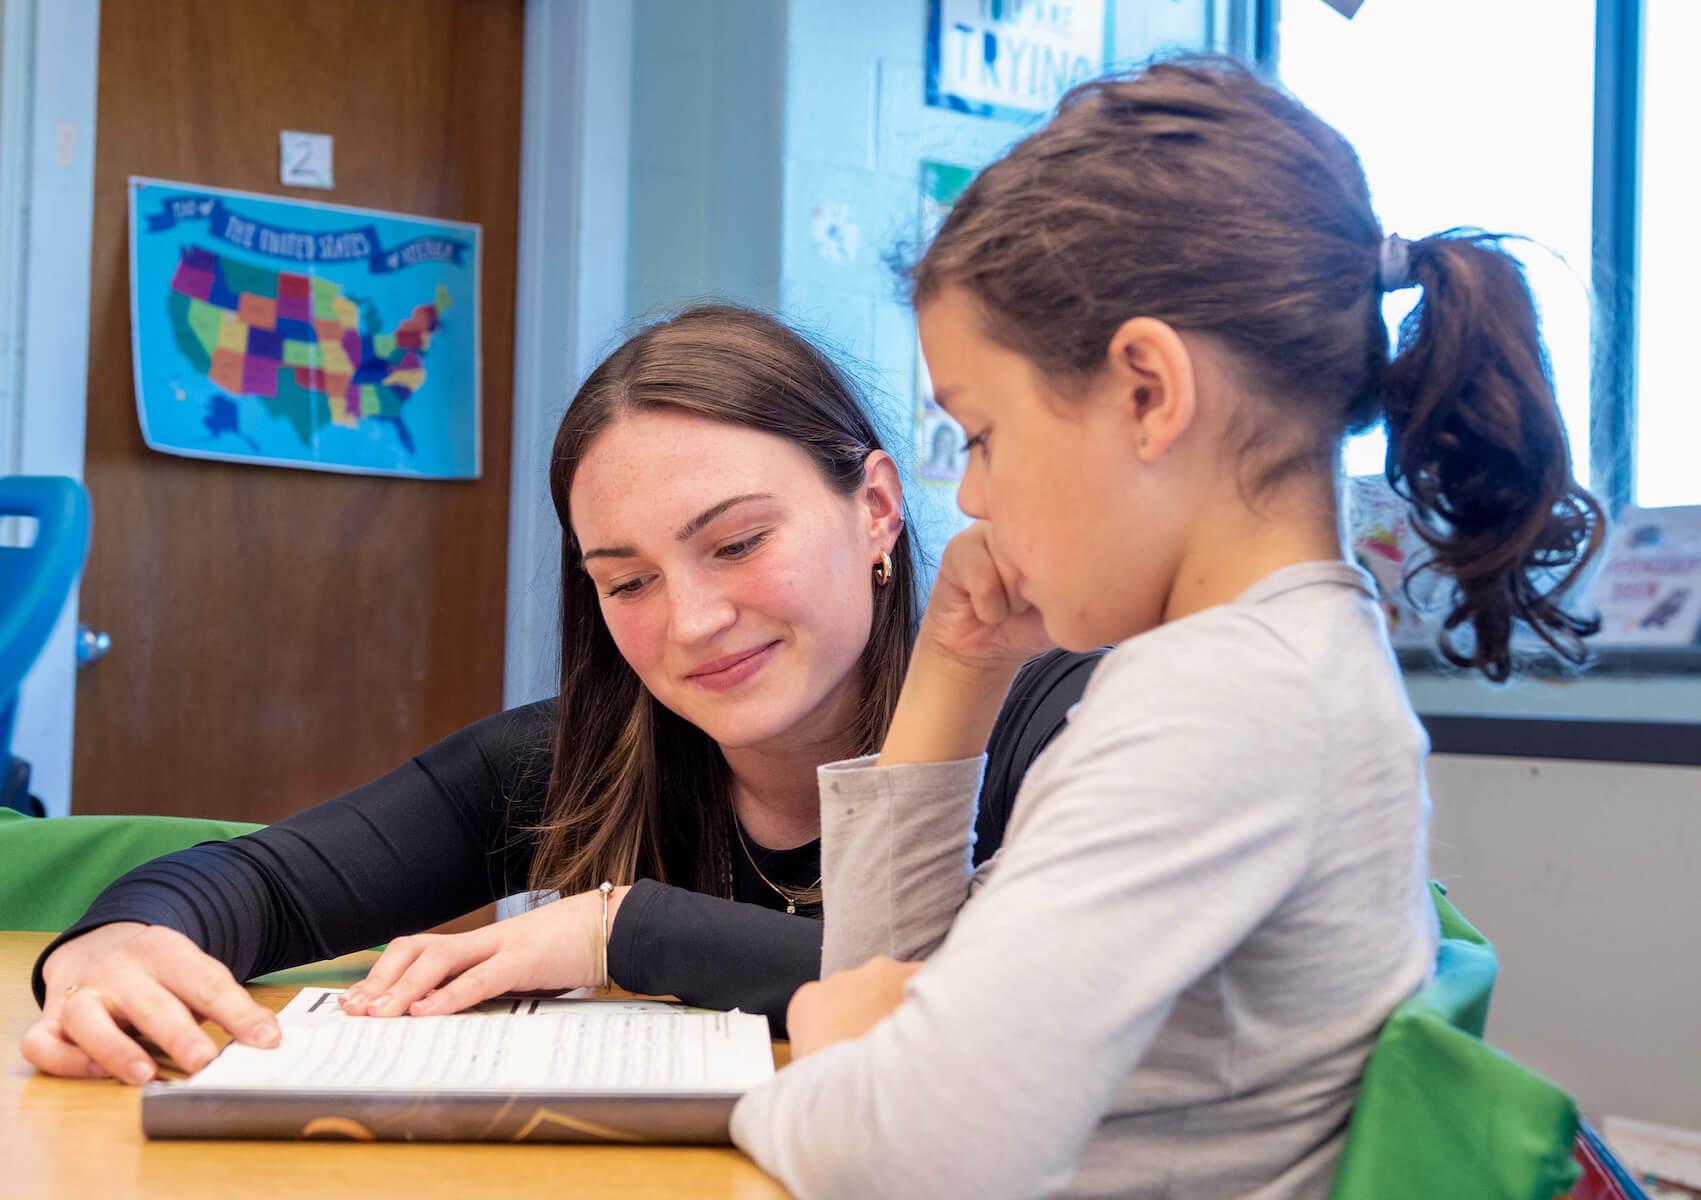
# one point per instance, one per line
(1440, 1112)
(52, 868)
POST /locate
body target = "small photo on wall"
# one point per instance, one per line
(940, 455)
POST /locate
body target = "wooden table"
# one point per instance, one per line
(76, 1138)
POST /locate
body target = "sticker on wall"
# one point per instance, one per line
(940, 455)
(1011, 58)
(304, 159)
(1386, 546)
(291, 333)
(1649, 591)
(835, 233)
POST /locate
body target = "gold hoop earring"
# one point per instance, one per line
(883, 570)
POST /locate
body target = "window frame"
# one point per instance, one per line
(1617, 212)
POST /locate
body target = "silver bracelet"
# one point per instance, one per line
(607, 889)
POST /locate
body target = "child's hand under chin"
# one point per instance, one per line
(978, 631)
(977, 616)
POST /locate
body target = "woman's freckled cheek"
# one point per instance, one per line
(636, 636)
(773, 593)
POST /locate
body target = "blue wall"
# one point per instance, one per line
(750, 117)
(856, 130)
(707, 91)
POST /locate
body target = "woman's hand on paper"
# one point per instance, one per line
(553, 948)
(846, 1004)
(120, 981)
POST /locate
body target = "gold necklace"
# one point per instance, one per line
(790, 899)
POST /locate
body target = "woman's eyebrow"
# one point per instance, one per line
(709, 514)
(686, 531)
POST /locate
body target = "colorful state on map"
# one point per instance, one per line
(296, 343)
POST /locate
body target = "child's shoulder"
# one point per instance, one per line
(1270, 640)
(1223, 675)
(1230, 645)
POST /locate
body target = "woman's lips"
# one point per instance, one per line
(734, 669)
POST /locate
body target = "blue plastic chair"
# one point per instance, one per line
(35, 580)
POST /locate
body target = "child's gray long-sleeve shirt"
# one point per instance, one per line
(1211, 894)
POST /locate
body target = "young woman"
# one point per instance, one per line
(1156, 318)
(739, 597)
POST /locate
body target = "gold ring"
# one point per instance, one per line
(77, 987)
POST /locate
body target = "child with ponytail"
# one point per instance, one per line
(1156, 318)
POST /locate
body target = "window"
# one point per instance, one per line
(1668, 398)
(1408, 84)
(1568, 122)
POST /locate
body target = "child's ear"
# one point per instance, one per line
(1151, 371)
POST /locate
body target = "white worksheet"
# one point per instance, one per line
(563, 1044)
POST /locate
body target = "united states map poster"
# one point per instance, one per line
(298, 334)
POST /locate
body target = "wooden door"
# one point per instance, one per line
(279, 636)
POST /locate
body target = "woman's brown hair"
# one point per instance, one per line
(635, 790)
(1196, 193)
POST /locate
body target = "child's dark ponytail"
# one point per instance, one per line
(1477, 446)
(1195, 192)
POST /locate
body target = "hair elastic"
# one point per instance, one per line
(1394, 264)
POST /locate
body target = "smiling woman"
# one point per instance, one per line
(738, 605)
(719, 610)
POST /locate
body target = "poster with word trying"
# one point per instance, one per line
(1011, 58)
(289, 333)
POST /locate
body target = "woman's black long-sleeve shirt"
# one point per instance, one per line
(446, 834)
